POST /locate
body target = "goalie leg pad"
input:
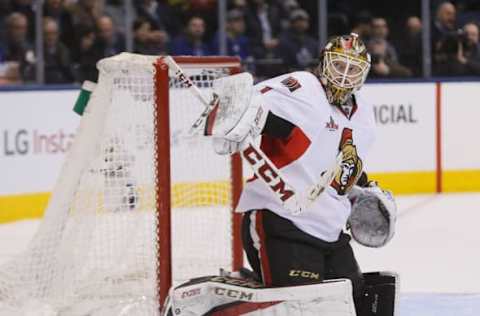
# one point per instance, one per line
(219, 295)
(380, 296)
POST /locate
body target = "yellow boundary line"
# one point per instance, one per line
(32, 205)
(22, 206)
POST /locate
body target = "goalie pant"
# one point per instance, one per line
(283, 255)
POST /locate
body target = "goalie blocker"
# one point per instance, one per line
(225, 295)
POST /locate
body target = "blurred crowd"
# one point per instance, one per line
(270, 36)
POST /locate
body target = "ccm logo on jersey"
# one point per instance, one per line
(235, 294)
(291, 83)
(267, 173)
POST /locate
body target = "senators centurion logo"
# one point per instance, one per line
(291, 83)
(351, 166)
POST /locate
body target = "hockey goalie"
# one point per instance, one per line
(314, 128)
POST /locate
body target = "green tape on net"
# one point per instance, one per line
(84, 97)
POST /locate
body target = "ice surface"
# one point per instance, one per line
(435, 251)
(436, 245)
(416, 304)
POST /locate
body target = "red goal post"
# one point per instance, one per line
(164, 203)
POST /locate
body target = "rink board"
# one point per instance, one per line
(424, 134)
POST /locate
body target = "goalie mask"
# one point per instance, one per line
(344, 67)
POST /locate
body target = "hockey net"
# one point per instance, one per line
(104, 245)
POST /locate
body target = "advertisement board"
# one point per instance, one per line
(405, 117)
(426, 141)
(36, 130)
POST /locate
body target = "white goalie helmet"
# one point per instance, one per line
(344, 67)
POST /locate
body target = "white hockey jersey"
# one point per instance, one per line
(321, 131)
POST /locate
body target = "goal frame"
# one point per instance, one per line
(163, 175)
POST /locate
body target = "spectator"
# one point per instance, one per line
(337, 23)
(462, 57)
(5, 10)
(207, 9)
(17, 46)
(379, 30)
(149, 10)
(237, 42)
(84, 58)
(382, 66)
(108, 41)
(411, 43)
(361, 24)
(85, 12)
(19, 55)
(286, 8)
(148, 41)
(57, 56)
(203, 6)
(6, 68)
(297, 49)
(240, 5)
(9, 73)
(25, 7)
(191, 43)
(414, 25)
(115, 9)
(445, 22)
(161, 16)
(84, 15)
(263, 25)
(141, 37)
(468, 55)
(56, 10)
(444, 38)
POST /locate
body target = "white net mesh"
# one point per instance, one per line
(95, 252)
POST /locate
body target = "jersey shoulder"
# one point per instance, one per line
(300, 87)
(295, 83)
(297, 97)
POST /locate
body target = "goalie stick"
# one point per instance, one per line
(260, 164)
